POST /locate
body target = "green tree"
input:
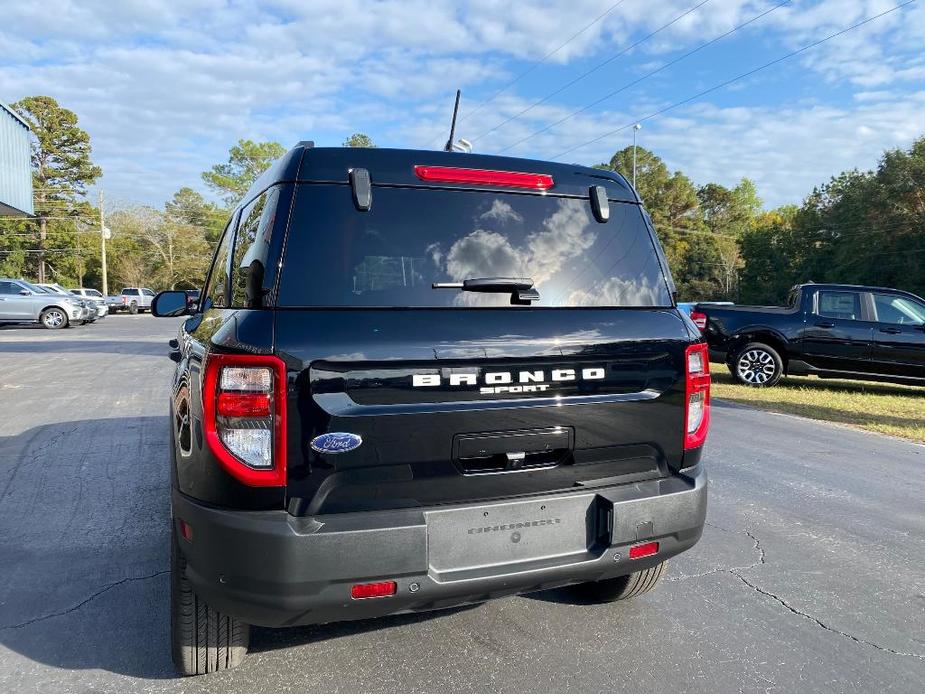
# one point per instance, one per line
(61, 171)
(770, 258)
(190, 208)
(729, 211)
(246, 161)
(155, 248)
(670, 198)
(358, 140)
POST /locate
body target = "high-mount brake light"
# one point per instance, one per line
(700, 319)
(244, 416)
(697, 395)
(487, 177)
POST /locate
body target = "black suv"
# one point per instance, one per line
(424, 379)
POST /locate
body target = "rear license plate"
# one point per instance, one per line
(513, 533)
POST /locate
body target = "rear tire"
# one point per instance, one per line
(133, 308)
(202, 640)
(621, 587)
(756, 365)
(54, 319)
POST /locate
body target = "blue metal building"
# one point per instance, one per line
(15, 165)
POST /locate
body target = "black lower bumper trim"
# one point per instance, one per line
(272, 569)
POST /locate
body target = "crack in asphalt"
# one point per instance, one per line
(83, 602)
(34, 456)
(762, 559)
(819, 622)
(732, 569)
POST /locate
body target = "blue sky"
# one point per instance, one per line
(164, 88)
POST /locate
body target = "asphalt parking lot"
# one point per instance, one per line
(810, 576)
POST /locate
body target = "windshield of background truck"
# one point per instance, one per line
(413, 237)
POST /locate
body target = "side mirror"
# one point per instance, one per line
(25, 292)
(169, 305)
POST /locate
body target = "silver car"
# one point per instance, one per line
(89, 309)
(22, 302)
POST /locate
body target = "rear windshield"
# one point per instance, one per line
(414, 237)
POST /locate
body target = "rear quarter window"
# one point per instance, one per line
(840, 305)
(414, 237)
(252, 249)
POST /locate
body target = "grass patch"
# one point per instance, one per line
(888, 409)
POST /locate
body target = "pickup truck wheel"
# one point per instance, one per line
(621, 587)
(133, 308)
(54, 318)
(202, 640)
(757, 365)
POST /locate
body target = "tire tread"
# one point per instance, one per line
(203, 639)
(622, 587)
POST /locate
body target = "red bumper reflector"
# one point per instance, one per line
(373, 590)
(644, 550)
(505, 179)
(186, 530)
(244, 404)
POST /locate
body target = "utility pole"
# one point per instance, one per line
(636, 129)
(80, 260)
(43, 234)
(103, 231)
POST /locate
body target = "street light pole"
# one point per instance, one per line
(636, 128)
(103, 247)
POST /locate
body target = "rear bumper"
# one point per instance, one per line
(272, 569)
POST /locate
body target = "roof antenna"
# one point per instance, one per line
(448, 147)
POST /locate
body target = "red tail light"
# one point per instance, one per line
(700, 319)
(244, 416)
(244, 405)
(506, 179)
(697, 395)
(373, 590)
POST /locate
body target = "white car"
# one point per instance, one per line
(96, 297)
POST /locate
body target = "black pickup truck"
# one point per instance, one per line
(826, 330)
(423, 379)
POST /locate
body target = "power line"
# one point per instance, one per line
(726, 83)
(591, 71)
(535, 65)
(628, 85)
(702, 232)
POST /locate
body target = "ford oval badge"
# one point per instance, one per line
(336, 442)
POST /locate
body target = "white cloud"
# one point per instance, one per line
(165, 88)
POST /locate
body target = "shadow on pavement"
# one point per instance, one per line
(152, 348)
(263, 640)
(84, 545)
(84, 530)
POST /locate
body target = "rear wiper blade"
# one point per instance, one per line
(520, 288)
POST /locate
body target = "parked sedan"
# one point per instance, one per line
(22, 302)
